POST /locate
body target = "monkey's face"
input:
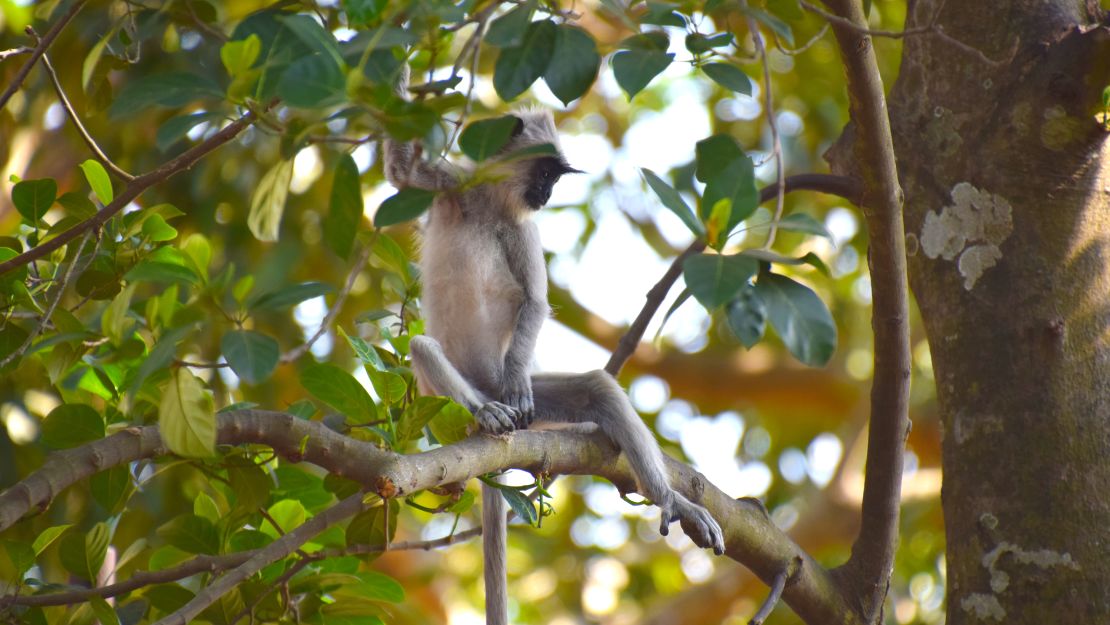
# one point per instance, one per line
(542, 176)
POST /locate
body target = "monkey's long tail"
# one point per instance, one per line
(494, 536)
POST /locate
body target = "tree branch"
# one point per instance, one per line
(133, 190)
(273, 552)
(870, 565)
(842, 186)
(751, 538)
(39, 50)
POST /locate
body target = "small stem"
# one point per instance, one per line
(39, 50)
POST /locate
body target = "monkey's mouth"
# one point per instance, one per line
(536, 198)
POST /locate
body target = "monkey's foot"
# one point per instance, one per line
(696, 521)
(497, 418)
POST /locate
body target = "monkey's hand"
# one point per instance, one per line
(696, 521)
(516, 391)
(495, 417)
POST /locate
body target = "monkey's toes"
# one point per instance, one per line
(497, 418)
(699, 525)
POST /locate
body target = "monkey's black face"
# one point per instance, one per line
(545, 172)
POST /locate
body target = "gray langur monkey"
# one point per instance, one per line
(484, 300)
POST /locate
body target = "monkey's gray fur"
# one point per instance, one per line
(484, 300)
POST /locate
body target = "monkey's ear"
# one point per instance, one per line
(518, 128)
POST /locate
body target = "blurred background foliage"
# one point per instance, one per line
(756, 422)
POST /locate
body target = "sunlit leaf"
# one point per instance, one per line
(340, 390)
(187, 416)
(239, 56)
(519, 66)
(451, 423)
(268, 201)
(344, 208)
(99, 181)
(576, 63)
(48, 536)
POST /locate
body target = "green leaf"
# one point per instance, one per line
(747, 316)
(801, 222)
(104, 612)
(32, 198)
(250, 485)
(175, 128)
(508, 30)
(779, 27)
(377, 587)
(192, 534)
(518, 67)
(156, 229)
(368, 528)
(634, 69)
(799, 317)
(576, 65)
(406, 121)
(363, 12)
(111, 488)
(48, 536)
(520, 504)
(93, 57)
(418, 415)
(484, 138)
(198, 253)
(313, 81)
(187, 416)
(70, 425)
(313, 35)
(11, 339)
(389, 386)
(163, 273)
(268, 201)
(252, 355)
(345, 208)
(364, 351)
(714, 279)
(161, 355)
(406, 204)
(99, 181)
(239, 56)
(77, 205)
(663, 14)
(205, 507)
(652, 41)
(173, 90)
(291, 295)
(791, 10)
(289, 514)
(114, 321)
(83, 554)
(673, 201)
(340, 390)
(728, 76)
(450, 424)
(728, 174)
(20, 554)
(699, 43)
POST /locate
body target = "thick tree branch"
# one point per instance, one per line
(842, 186)
(135, 188)
(751, 538)
(39, 50)
(872, 560)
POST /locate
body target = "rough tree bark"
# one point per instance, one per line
(1007, 182)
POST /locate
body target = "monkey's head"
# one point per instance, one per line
(533, 179)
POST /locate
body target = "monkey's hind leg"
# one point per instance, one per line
(436, 374)
(596, 397)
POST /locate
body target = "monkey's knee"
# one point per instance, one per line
(424, 347)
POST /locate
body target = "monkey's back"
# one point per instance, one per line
(470, 299)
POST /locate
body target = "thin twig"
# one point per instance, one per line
(135, 188)
(841, 186)
(776, 140)
(53, 305)
(39, 50)
(932, 28)
(802, 48)
(476, 41)
(295, 353)
(280, 548)
(15, 51)
(89, 141)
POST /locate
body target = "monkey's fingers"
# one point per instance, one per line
(497, 418)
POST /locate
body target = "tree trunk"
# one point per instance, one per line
(1007, 180)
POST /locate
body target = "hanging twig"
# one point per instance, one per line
(39, 50)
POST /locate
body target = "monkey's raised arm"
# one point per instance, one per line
(524, 258)
(404, 168)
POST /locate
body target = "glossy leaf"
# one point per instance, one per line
(747, 316)
(172, 89)
(634, 69)
(519, 66)
(344, 208)
(485, 138)
(508, 30)
(192, 534)
(290, 295)
(575, 66)
(70, 425)
(451, 423)
(32, 198)
(674, 202)
(239, 56)
(99, 181)
(268, 201)
(521, 505)
(252, 355)
(800, 318)
(47, 537)
(728, 76)
(156, 229)
(340, 390)
(714, 279)
(187, 417)
(406, 204)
